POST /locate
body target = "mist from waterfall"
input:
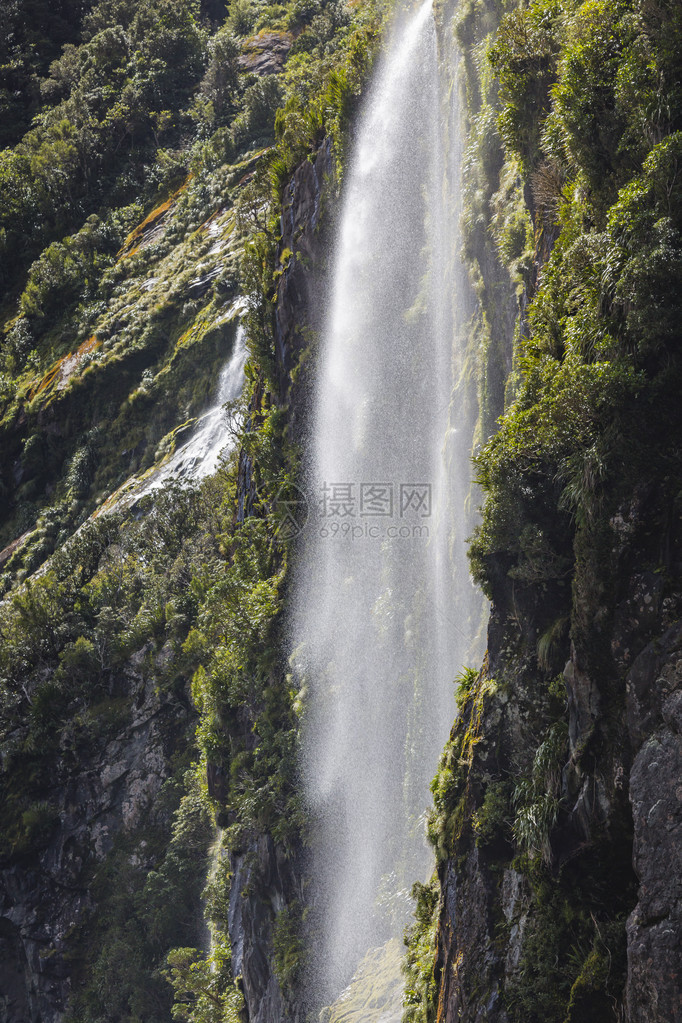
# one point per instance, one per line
(383, 605)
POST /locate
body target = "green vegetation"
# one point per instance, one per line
(572, 961)
(148, 148)
(151, 128)
(598, 351)
(91, 650)
(572, 204)
(204, 988)
(421, 989)
(451, 788)
(537, 796)
(141, 185)
(289, 946)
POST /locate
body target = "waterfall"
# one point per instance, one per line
(382, 602)
(200, 455)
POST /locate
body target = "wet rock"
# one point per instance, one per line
(198, 287)
(298, 304)
(11, 548)
(514, 899)
(263, 881)
(469, 963)
(583, 704)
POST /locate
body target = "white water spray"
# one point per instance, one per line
(381, 608)
(199, 456)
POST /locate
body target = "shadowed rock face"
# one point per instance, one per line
(264, 880)
(298, 310)
(654, 989)
(17, 1000)
(47, 895)
(621, 796)
(305, 210)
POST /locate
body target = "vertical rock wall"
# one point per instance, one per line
(265, 879)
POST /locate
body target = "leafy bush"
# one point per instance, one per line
(524, 57)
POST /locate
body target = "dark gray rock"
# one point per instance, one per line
(302, 282)
(654, 987)
(469, 963)
(45, 896)
(265, 53)
(265, 879)
(652, 677)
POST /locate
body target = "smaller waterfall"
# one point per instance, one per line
(199, 456)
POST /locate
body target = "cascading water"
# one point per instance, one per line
(381, 627)
(200, 455)
(209, 440)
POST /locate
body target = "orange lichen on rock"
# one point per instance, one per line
(48, 380)
(59, 374)
(151, 227)
(210, 220)
(7, 553)
(72, 362)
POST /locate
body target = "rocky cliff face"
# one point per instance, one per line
(266, 880)
(264, 883)
(306, 207)
(103, 793)
(611, 845)
(556, 821)
(654, 928)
